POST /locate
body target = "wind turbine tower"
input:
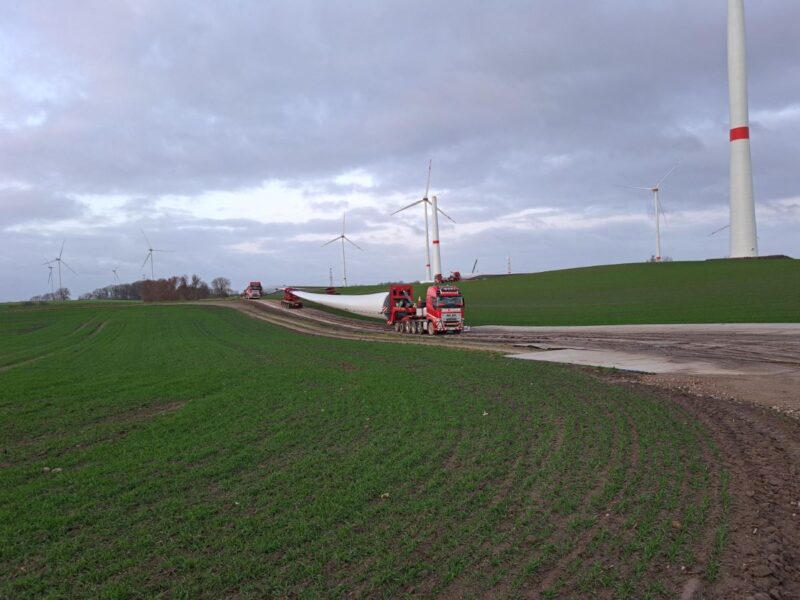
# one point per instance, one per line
(744, 241)
(437, 255)
(427, 234)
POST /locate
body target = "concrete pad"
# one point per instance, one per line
(626, 361)
(791, 329)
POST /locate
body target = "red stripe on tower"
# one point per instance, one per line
(435, 241)
(740, 133)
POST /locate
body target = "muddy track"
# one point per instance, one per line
(761, 451)
(759, 448)
(319, 323)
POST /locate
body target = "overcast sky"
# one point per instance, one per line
(237, 133)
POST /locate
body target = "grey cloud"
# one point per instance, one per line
(520, 104)
(36, 205)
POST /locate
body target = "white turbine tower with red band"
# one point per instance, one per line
(437, 254)
(744, 242)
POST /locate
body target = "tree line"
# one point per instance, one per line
(180, 287)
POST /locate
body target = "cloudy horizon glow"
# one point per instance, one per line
(238, 134)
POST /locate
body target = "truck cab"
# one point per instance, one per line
(444, 308)
(253, 291)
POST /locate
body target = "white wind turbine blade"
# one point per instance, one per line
(157, 250)
(146, 258)
(410, 205)
(49, 262)
(428, 185)
(446, 215)
(66, 265)
(50, 276)
(716, 231)
(149, 245)
(635, 187)
(336, 239)
(344, 237)
(660, 181)
(62, 248)
(662, 212)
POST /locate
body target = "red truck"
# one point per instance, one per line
(442, 311)
(253, 291)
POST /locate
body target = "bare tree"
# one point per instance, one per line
(221, 287)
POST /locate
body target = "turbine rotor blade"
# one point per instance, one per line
(149, 245)
(662, 212)
(410, 205)
(66, 265)
(344, 237)
(660, 181)
(446, 215)
(336, 239)
(716, 231)
(62, 248)
(428, 185)
(146, 258)
(633, 187)
(157, 250)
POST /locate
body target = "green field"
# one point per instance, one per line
(189, 452)
(721, 291)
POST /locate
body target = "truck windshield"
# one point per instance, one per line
(451, 302)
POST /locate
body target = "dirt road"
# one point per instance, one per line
(757, 377)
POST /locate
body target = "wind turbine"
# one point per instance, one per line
(50, 278)
(116, 277)
(58, 260)
(149, 255)
(425, 201)
(658, 209)
(743, 237)
(344, 239)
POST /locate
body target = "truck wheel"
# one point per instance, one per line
(431, 328)
(408, 326)
(397, 326)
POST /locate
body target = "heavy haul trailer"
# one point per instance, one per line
(289, 300)
(253, 291)
(441, 312)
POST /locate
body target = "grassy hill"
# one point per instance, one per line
(719, 291)
(190, 452)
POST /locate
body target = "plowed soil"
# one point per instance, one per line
(752, 418)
